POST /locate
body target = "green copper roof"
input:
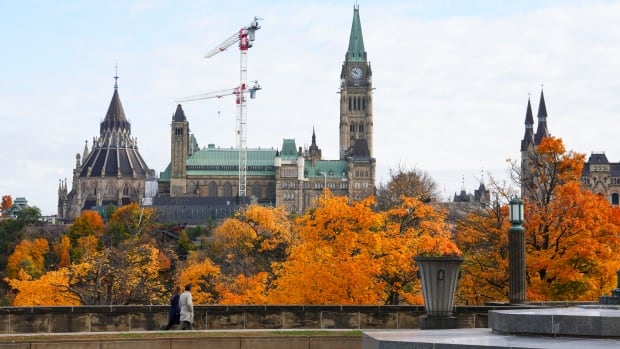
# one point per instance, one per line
(214, 161)
(356, 52)
(332, 168)
(165, 176)
(289, 150)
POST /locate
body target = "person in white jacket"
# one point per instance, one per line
(187, 309)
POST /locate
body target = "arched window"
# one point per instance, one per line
(364, 103)
(227, 189)
(126, 190)
(614, 199)
(350, 98)
(212, 189)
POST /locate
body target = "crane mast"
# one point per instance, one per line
(245, 36)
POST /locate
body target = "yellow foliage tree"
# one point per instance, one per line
(49, 290)
(203, 276)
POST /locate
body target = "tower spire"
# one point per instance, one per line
(116, 76)
(542, 130)
(528, 137)
(356, 52)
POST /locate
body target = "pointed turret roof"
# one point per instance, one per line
(356, 51)
(528, 137)
(115, 117)
(179, 115)
(541, 131)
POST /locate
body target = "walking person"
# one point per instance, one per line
(187, 309)
(174, 313)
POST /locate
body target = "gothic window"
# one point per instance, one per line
(364, 103)
(352, 127)
(256, 189)
(227, 189)
(126, 190)
(212, 189)
(350, 98)
(359, 104)
(271, 190)
(615, 200)
(361, 128)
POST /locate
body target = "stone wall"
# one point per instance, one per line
(14, 320)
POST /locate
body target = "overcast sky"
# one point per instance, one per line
(452, 80)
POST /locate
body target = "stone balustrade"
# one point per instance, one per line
(14, 320)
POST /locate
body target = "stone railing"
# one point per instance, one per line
(15, 320)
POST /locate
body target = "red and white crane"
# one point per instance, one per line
(245, 36)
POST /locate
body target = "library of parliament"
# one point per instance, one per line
(202, 183)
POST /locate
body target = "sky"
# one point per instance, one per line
(452, 80)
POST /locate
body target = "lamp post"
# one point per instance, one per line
(516, 252)
(325, 183)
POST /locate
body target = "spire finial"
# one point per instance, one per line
(116, 76)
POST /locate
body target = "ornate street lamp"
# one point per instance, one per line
(516, 252)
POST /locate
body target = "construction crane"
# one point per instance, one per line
(245, 36)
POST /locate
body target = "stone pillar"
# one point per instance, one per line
(516, 264)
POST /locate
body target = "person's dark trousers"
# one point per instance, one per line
(186, 325)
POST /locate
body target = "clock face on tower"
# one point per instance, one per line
(356, 73)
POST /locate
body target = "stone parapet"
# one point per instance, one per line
(14, 320)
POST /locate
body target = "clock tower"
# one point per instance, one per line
(355, 94)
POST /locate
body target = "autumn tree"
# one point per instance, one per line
(29, 215)
(203, 275)
(5, 204)
(403, 182)
(129, 221)
(48, 290)
(126, 274)
(571, 234)
(482, 235)
(29, 257)
(335, 261)
(410, 229)
(252, 240)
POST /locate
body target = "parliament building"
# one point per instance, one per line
(202, 183)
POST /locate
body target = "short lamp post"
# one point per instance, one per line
(516, 252)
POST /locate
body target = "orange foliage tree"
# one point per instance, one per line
(571, 233)
(28, 256)
(5, 204)
(335, 261)
(411, 229)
